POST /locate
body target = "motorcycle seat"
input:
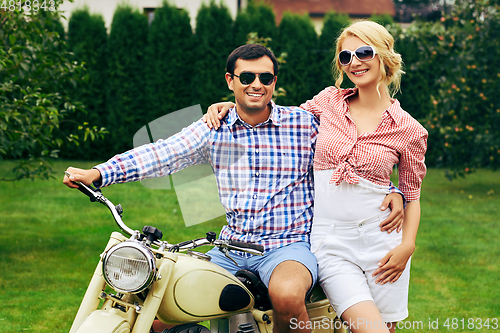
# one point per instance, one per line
(256, 287)
(259, 290)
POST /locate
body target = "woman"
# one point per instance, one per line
(363, 133)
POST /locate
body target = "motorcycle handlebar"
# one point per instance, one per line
(244, 245)
(96, 195)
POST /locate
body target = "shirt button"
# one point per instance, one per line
(256, 151)
(361, 225)
(255, 196)
(255, 129)
(250, 234)
(257, 174)
(251, 219)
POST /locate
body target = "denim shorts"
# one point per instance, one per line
(265, 265)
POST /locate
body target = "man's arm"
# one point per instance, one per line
(397, 202)
(156, 159)
(85, 176)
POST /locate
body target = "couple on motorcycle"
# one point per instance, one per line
(268, 193)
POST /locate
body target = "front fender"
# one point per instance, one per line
(101, 321)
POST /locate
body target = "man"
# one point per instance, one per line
(265, 183)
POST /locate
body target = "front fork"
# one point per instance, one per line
(155, 296)
(96, 286)
(147, 311)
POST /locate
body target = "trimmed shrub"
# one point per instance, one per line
(170, 62)
(382, 19)
(126, 78)
(87, 38)
(298, 39)
(214, 40)
(257, 17)
(332, 26)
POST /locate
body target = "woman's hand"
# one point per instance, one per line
(394, 263)
(216, 112)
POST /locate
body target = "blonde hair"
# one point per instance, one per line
(377, 36)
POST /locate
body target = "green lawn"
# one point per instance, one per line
(51, 238)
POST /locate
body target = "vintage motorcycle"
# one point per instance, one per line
(171, 282)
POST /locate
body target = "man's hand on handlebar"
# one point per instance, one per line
(87, 177)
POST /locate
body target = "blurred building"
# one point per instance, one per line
(107, 7)
(318, 8)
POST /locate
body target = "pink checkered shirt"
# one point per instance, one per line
(398, 139)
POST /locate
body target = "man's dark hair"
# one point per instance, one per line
(250, 52)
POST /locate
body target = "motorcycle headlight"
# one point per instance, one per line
(129, 267)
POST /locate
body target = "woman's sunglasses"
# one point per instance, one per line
(363, 53)
(247, 78)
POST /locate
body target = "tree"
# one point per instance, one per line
(87, 38)
(332, 26)
(126, 95)
(36, 74)
(214, 40)
(382, 19)
(170, 56)
(298, 39)
(258, 18)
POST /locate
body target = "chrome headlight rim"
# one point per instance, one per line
(150, 261)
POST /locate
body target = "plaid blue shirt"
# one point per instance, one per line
(264, 172)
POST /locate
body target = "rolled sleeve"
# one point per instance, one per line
(412, 167)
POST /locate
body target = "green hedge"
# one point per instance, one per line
(298, 75)
(450, 82)
(170, 57)
(215, 41)
(259, 18)
(126, 94)
(87, 39)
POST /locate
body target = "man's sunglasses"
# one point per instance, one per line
(247, 78)
(363, 53)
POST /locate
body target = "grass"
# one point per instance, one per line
(51, 238)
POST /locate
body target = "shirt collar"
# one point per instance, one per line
(275, 116)
(394, 110)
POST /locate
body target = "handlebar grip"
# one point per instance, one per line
(88, 191)
(244, 245)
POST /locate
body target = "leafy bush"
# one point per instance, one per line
(451, 86)
(36, 76)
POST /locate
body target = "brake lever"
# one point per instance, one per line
(226, 253)
(251, 251)
(224, 247)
